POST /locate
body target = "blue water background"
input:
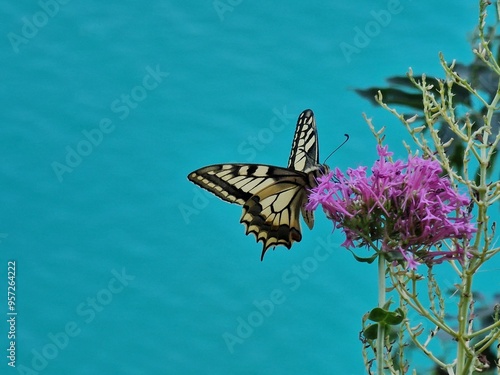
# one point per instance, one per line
(123, 266)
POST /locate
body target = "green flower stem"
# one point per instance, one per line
(423, 348)
(494, 334)
(464, 359)
(381, 325)
(463, 340)
(480, 146)
(413, 301)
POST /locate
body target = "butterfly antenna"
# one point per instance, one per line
(339, 146)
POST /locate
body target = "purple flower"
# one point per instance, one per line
(402, 209)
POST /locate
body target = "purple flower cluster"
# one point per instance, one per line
(402, 209)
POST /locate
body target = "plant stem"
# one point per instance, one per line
(463, 366)
(381, 325)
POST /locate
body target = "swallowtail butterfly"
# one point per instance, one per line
(272, 197)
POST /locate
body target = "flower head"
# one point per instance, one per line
(402, 209)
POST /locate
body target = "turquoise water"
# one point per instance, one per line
(122, 265)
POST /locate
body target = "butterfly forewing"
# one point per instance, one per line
(304, 155)
(272, 197)
(305, 151)
(237, 183)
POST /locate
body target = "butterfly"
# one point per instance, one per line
(272, 197)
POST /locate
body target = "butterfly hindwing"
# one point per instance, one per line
(272, 197)
(272, 215)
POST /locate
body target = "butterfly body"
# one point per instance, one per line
(271, 196)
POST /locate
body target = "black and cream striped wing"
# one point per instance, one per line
(304, 155)
(272, 198)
